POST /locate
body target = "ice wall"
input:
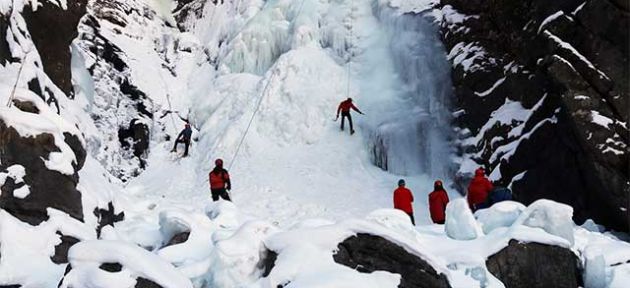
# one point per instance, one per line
(405, 84)
(396, 70)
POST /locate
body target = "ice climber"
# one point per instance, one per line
(183, 137)
(220, 184)
(438, 199)
(498, 194)
(344, 108)
(403, 199)
(478, 190)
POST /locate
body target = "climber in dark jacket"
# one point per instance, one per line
(498, 194)
(220, 183)
(183, 137)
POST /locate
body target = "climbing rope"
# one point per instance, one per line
(349, 49)
(264, 92)
(10, 102)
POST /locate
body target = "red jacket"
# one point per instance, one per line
(478, 189)
(345, 106)
(403, 199)
(437, 205)
(219, 178)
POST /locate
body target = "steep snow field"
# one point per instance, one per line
(294, 162)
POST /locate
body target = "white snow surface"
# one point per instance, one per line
(300, 185)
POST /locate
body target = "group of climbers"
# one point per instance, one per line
(481, 194)
(218, 178)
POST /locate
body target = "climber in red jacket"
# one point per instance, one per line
(438, 199)
(478, 189)
(344, 108)
(403, 199)
(220, 183)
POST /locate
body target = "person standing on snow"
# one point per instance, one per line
(438, 199)
(183, 137)
(498, 194)
(403, 199)
(478, 190)
(344, 108)
(220, 183)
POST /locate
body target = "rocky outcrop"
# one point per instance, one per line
(5, 53)
(533, 265)
(61, 250)
(541, 96)
(51, 19)
(368, 253)
(107, 217)
(48, 188)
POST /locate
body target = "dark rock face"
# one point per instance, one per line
(190, 10)
(268, 262)
(571, 71)
(107, 217)
(178, 238)
(120, 107)
(111, 267)
(533, 265)
(369, 253)
(146, 283)
(5, 53)
(61, 250)
(52, 30)
(136, 138)
(48, 188)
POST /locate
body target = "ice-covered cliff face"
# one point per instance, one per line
(392, 64)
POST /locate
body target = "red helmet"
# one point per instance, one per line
(218, 162)
(438, 185)
(480, 171)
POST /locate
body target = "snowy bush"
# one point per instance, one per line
(460, 222)
(502, 214)
(553, 217)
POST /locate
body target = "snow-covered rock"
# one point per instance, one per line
(553, 217)
(87, 260)
(502, 214)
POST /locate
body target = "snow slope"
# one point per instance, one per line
(294, 162)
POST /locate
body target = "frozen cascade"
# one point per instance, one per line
(405, 83)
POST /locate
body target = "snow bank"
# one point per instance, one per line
(26, 249)
(85, 258)
(235, 260)
(502, 214)
(199, 243)
(460, 222)
(552, 217)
